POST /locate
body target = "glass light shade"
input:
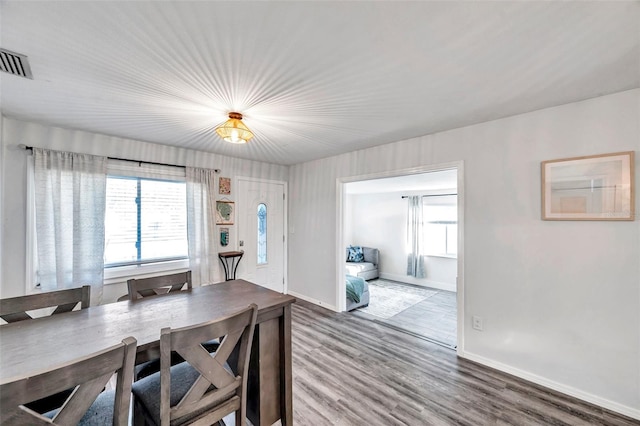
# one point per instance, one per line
(234, 130)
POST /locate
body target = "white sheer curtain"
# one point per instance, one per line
(203, 260)
(415, 234)
(70, 208)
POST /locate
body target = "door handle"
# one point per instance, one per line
(241, 243)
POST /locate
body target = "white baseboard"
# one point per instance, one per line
(419, 281)
(634, 413)
(314, 301)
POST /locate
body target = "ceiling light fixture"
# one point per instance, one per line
(233, 130)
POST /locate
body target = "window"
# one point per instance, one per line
(145, 221)
(262, 234)
(440, 217)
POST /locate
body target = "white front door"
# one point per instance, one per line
(261, 215)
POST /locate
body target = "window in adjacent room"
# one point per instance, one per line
(440, 218)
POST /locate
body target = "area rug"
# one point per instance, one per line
(388, 298)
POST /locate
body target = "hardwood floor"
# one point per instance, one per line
(433, 318)
(348, 370)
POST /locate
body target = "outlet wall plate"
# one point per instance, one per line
(477, 323)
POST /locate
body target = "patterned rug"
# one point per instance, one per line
(388, 298)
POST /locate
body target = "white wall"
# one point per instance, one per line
(2, 180)
(560, 300)
(14, 159)
(377, 220)
(380, 220)
(347, 229)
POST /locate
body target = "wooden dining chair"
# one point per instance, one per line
(205, 388)
(148, 362)
(87, 404)
(16, 309)
(164, 284)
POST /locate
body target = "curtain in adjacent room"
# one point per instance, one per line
(203, 260)
(70, 209)
(415, 231)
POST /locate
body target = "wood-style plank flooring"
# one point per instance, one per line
(433, 318)
(348, 370)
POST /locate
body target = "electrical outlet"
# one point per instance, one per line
(477, 323)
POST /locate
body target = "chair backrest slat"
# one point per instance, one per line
(218, 390)
(15, 309)
(81, 399)
(88, 375)
(164, 284)
(23, 417)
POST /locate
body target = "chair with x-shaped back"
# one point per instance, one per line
(164, 284)
(87, 403)
(206, 387)
(148, 361)
(16, 309)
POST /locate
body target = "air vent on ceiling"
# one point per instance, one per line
(15, 63)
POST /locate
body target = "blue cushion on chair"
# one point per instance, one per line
(146, 392)
(100, 413)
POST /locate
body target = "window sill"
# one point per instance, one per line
(123, 273)
(445, 256)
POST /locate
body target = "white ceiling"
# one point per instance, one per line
(313, 79)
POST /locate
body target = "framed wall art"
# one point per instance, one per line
(596, 187)
(224, 237)
(224, 212)
(224, 185)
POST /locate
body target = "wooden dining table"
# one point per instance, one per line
(29, 347)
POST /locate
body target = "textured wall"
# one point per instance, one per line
(14, 197)
(560, 300)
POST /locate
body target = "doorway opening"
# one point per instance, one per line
(413, 220)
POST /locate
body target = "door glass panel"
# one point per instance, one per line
(262, 234)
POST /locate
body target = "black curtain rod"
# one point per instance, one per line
(30, 148)
(433, 195)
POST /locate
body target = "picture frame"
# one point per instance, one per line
(224, 237)
(595, 187)
(225, 211)
(224, 185)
